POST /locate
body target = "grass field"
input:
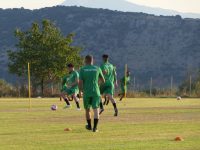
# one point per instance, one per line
(142, 124)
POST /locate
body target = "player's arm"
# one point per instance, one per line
(80, 83)
(104, 72)
(115, 76)
(101, 76)
(75, 82)
(64, 80)
(103, 69)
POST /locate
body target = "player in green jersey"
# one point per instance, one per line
(123, 85)
(106, 99)
(70, 86)
(107, 89)
(90, 76)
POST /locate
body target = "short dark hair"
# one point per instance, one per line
(88, 58)
(105, 56)
(70, 65)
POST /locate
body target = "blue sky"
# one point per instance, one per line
(179, 5)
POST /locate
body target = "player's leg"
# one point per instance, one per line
(109, 94)
(95, 106)
(101, 110)
(65, 99)
(72, 98)
(87, 104)
(88, 119)
(101, 102)
(111, 98)
(123, 89)
(96, 119)
(107, 100)
(76, 99)
(107, 90)
(122, 96)
(101, 105)
(73, 93)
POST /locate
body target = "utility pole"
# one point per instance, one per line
(151, 82)
(190, 85)
(171, 85)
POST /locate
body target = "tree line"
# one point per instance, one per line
(48, 52)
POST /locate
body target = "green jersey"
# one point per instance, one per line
(69, 79)
(73, 77)
(122, 84)
(123, 80)
(110, 75)
(90, 74)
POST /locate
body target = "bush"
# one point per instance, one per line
(6, 89)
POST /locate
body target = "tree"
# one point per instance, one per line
(47, 51)
(197, 85)
(184, 88)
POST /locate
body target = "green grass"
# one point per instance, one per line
(142, 124)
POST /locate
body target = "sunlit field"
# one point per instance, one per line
(142, 124)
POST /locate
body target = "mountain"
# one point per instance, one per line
(123, 5)
(152, 46)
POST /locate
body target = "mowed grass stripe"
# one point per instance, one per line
(142, 124)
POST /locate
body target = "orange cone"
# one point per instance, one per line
(67, 129)
(178, 138)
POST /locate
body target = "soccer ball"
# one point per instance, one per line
(54, 107)
(178, 98)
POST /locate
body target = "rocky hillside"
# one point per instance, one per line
(152, 46)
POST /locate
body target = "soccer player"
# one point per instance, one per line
(70, 87)
(123, 86)
(107, 89)
(88, 83)
(106, 99)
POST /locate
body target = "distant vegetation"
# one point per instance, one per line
(7, 90)
(186, 89)
(152, 46)
(190, 87)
